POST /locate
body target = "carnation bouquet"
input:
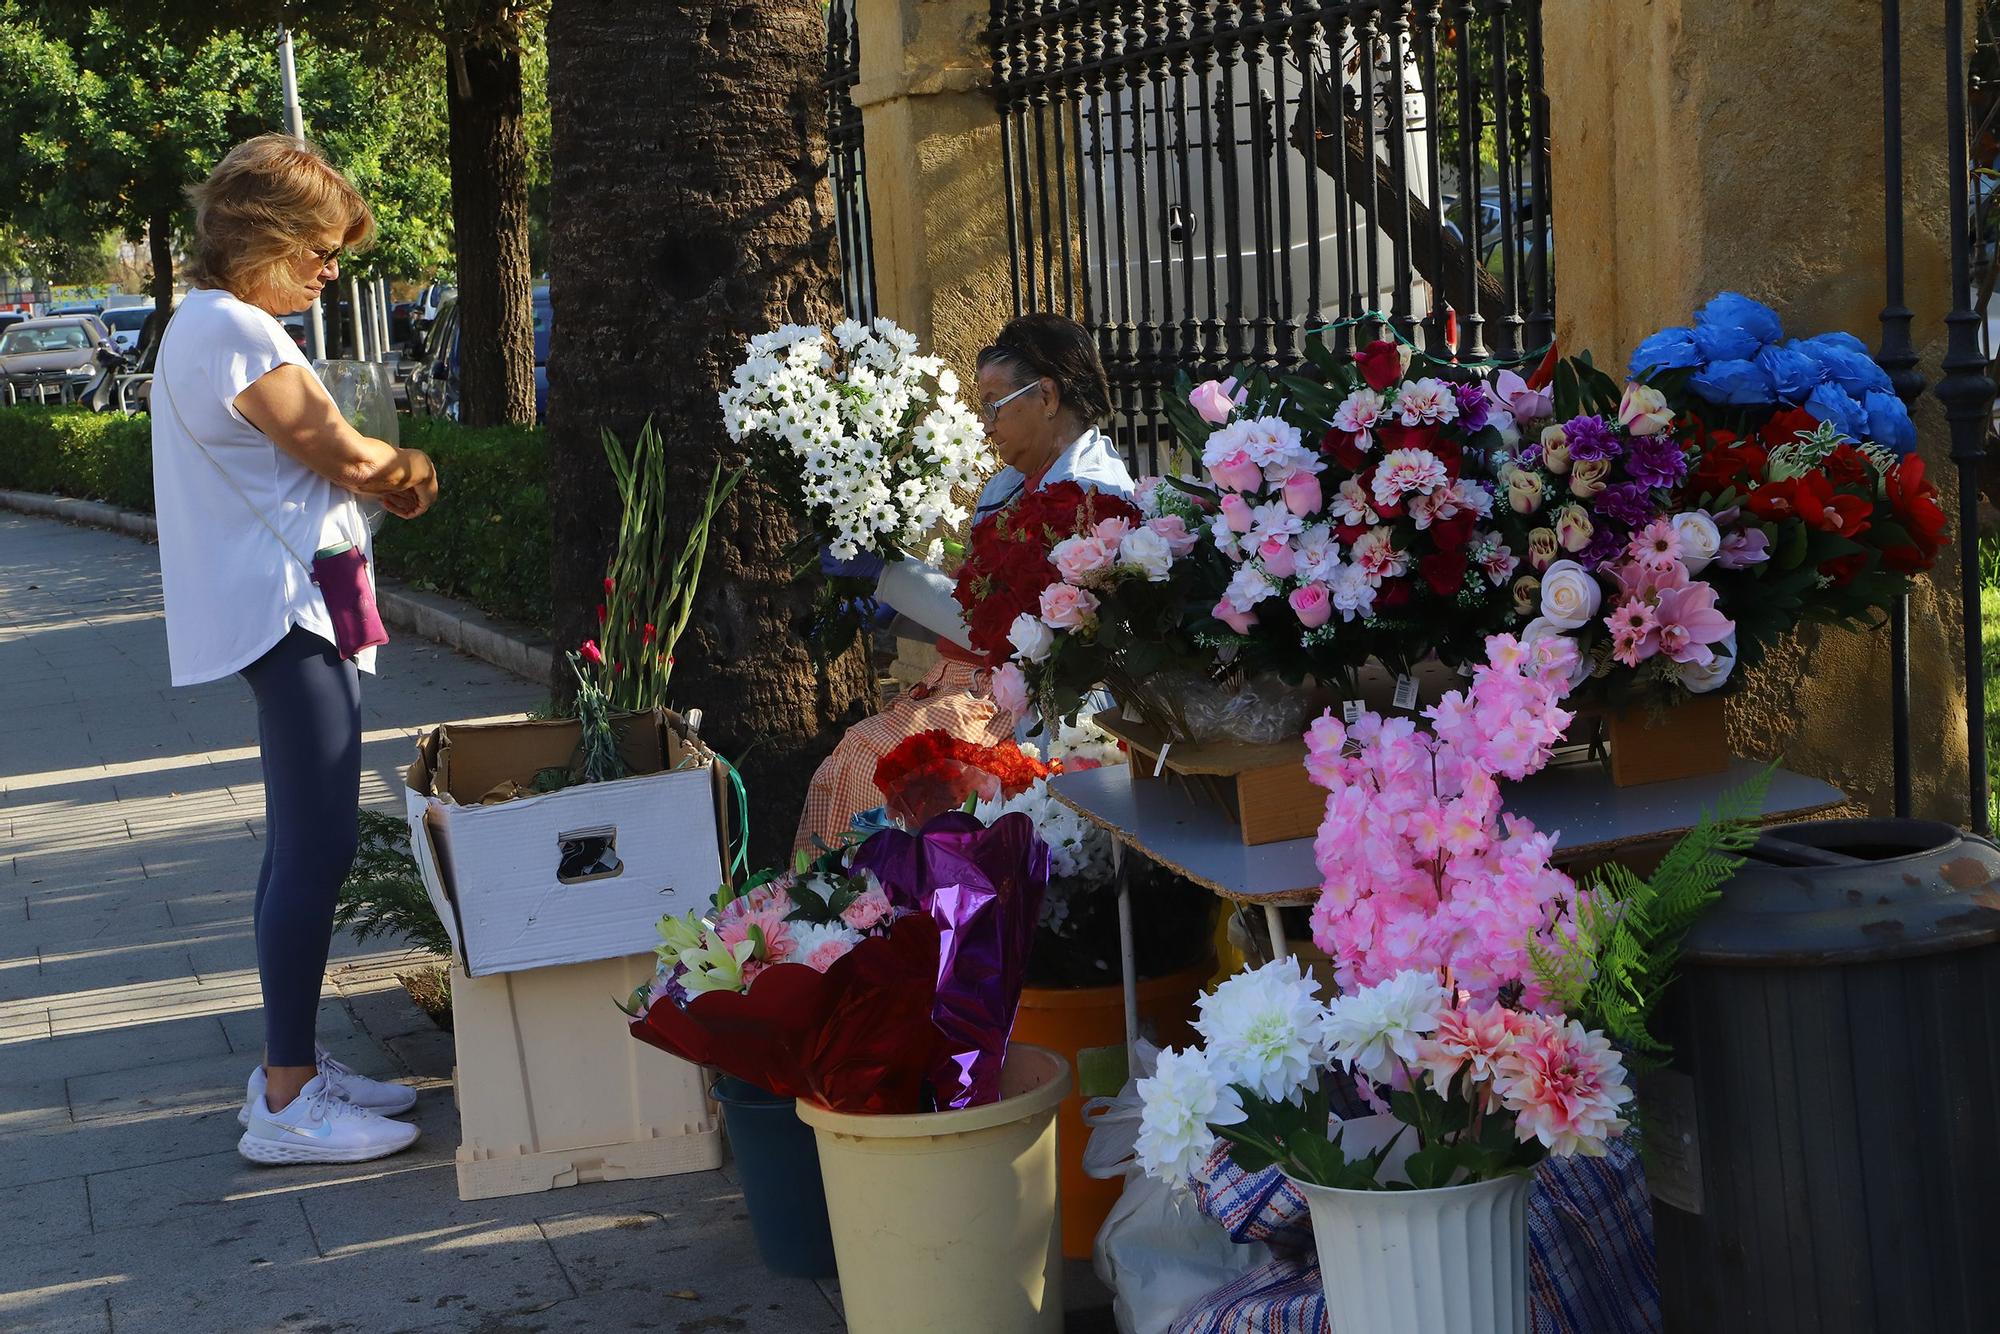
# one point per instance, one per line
(865, 438)
(929, 773)
(1736, 486)
(1431, 903)
(1349, 511)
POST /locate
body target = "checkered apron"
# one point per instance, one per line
(953, 698)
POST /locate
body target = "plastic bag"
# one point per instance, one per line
(1157, 1252)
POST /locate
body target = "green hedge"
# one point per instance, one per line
(487, 540)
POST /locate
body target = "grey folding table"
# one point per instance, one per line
(1576, 803)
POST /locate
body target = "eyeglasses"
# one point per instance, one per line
(325, 257)
(991, 411)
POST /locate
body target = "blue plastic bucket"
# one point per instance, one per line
(777, 1159)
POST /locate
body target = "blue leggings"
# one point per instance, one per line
(309, 729)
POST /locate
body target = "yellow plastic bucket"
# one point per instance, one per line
(948, 1222)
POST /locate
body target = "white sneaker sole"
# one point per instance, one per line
(243, 1112)
(269, 1152)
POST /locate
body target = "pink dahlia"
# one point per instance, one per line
(1564, 1085)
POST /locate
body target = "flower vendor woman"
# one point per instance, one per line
(1042, 392)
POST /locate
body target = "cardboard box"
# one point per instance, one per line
(553, 1091)
(568, 876)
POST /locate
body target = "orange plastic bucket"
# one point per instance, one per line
(1068, 1020)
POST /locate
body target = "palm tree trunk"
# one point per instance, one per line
(690, 209)
(487, 145)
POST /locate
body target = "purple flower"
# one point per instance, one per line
(1604, 544)
(1746, 546)
(1589, 438)
(1474, 407)
(1655, 460)
(1529, 455)
(1630, 503)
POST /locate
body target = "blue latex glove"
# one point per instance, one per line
(861, 565)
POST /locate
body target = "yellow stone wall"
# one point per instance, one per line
(935, 185)
(1703, 145)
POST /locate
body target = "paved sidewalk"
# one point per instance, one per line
(130, 816)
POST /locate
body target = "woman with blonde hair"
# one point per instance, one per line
(264, 560)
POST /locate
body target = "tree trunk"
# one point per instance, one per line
(489, 218)
(689, 211)
(160, 239)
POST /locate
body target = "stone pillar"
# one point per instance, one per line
(936, 194)
(1703, 145)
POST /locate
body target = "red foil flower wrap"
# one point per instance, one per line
(856, 1038)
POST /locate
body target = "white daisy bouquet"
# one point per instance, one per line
(864, 436)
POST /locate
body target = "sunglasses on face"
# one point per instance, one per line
(330, 255)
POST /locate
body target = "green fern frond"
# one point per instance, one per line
(1613, 971)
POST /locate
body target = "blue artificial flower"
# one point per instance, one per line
(1847, 363)
(1733, 327)
(1669, 349)
(1889, 422)
(1830, 403)
(1737, 381)
(1793, 374)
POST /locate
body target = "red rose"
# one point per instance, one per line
(1452, 534)
(1342, 449)
(1842, 569)
(1845, 466)
(1719, 467)
(1393, 594)
(1444, 571)
(1788, 425)
(1380, 364)
(1394, 435)
(1913, 501)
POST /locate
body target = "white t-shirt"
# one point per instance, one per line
(232, 590)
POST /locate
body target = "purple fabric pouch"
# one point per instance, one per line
(342, 580)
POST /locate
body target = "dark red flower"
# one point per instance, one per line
(1342, 449)
(1913, 500)
(1846, 466)
(1394, 593)
(1380, 364)
(1842, 569)
(1452, 534)
(1721, 466)
(1444, 571)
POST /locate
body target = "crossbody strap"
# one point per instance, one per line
(248, 504)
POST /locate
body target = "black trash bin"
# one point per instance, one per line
(1824, 1151)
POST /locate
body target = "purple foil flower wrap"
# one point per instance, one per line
(983, 886)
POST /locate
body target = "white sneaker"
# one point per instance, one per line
(318, 1127)
(370, 1095)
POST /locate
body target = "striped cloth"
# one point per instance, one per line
(953, 697)
(1590, 1251)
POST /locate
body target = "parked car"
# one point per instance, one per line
(38, 358)
(125, 322)
(91, 308)
(295, 325)
(434, 385)
(10, 318)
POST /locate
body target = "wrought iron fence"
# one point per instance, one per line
(1204, 184)
(845, 161)
(1966, 385)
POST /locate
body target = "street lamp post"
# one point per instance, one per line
(295, 125)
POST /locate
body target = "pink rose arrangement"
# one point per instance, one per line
(1112, 613)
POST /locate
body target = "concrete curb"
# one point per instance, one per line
(443, 620)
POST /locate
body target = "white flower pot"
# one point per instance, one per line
(1450, 1261)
